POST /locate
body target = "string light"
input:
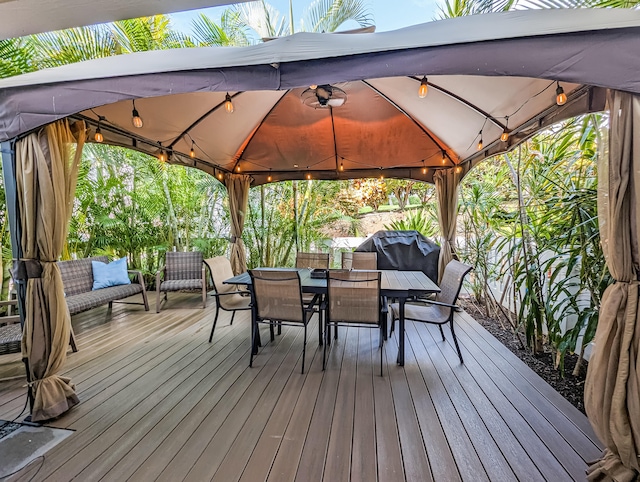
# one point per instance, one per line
(480, 144)
(192, 152)
(98, 137)
(308, 176)
(269, 176)
(561, 97)
(458, 169)
(341, 167)
(237, 168)
(505, 133)
(228, 105)
(220, 176)
(444, 158)
(162, 156)
(424, 168)
(424, 88)
(136, 120)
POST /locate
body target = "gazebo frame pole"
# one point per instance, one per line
(15, 232)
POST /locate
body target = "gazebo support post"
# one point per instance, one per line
(15, 233)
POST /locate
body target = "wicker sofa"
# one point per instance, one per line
(77, 277)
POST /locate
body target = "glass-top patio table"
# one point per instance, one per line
(401, 285)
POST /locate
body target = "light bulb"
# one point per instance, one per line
(458, 169)
(220, 176)
(444, 158)
(423, 89)
(424, 170)
(308, 177)
(162, 156)
(136, 120)
(313, 86)
(505, 136)
(561, 97)
(381, 177)
(341, 167)
(228, 105)
(479, 147)
(192, 153)
(237, 168)
(98, 137)
(269, 178)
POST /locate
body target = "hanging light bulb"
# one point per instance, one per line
(424, 88)
(424, 168)
(192, 152)
(269, 178)
(505, 133)
(136, 120)
(98, 137)
(308, 177)
(458, 169)
(341, 167)
(220, 176)
(444, 158)
(480, 144)
(228, 105)
(561, 97)
(162, 157)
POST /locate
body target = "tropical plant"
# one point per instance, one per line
(424, 221)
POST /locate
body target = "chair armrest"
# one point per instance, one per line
(138, 274)
(239, 292)
(384, 308)
(159, 275)
(440, 303)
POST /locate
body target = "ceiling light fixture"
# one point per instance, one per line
(228, 105)
(424, 88)
(324, 96)
(561, 97)
(136, 120)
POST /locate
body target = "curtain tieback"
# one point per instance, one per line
(233, 239)
(24, 269)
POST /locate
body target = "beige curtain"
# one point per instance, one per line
(238, 188)
(46, 171)
(612, 389)
(447, 181)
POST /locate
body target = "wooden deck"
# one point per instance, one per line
(158, 402)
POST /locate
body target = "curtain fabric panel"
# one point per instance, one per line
(238, 188)
(612, 388)
(47, 170)
(447, 181)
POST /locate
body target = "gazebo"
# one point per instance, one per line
(426, 102)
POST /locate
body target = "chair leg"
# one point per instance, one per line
(233, 315)
(320, 329)
(455, 342)
(304, 347)
(254, 329)
(157, 301)
(72, 340)
(271, 332)
(279, 328)
(204, 294)
(324, 347)
(442, 332)
(215, 320)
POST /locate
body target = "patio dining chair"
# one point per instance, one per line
(228, 297)
(183, 271)
(277, 300)
(439, 311)
(353, 299)
(313, 261)
(360, 260)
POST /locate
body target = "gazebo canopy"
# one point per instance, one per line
(486, 74)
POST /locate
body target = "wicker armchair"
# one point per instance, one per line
(441, 310)
(277, 300)
(228, 297)
(353, 299)
(10, 330)
(360, 260)
(183, 271)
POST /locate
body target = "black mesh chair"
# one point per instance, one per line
(439, 311)
(276, 296)
(353, 299)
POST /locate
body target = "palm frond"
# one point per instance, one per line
(16, 57)
(328, 15)
(263, 18)
(72, 45)
(230, 31)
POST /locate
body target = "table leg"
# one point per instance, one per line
(255, 332)
(401, 302)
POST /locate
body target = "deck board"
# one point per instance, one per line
(158, 402)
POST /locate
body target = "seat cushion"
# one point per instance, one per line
(419, 312)
(10, 338)
(181, 284)
(85, 301)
